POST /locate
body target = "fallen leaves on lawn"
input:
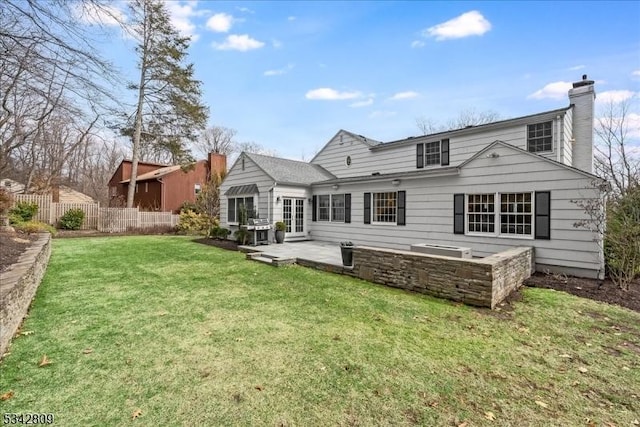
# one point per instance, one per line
(583, 369)
(6, 396)
(541, 403)
(87, 351)
(565, 356)
(27, 333)
(136, 413)
(490, 416)
(259, 388)
(44, 361)
(463, 424)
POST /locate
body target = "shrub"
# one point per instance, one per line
(219, 233)
(622, 238)
(25, 210)
(30, 227)
(72, 219)
(5, 201)
(242, 236)
(195, 223)
(281, 226)
(190, 206)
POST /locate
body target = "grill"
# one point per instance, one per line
(259, 228)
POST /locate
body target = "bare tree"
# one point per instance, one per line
(614, 159)
(466, 118)
(217, 139)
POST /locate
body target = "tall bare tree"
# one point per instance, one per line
(615, 160)
(169, 112)
(217, 139)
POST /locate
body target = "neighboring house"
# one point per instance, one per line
(12, 186)
(487, 187)
(161, 187)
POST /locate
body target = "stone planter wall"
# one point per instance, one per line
(480, 282)
(18, 286)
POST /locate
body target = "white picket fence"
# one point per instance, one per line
(112, 220)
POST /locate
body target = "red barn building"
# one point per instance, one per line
(161, 187)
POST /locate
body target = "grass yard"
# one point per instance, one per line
(163, 331)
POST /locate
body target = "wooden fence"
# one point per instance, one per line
(110, 220)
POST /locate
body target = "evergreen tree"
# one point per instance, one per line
(169, 110)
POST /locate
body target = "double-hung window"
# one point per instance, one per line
(513, 216)
(337, 207)
(331, 207)
(324, 203)
(385, 207)
(540, 137)
(434, 153)
(236, 206)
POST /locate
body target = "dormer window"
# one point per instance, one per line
(540, 137)
(434, 153)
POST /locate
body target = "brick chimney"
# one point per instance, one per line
(217, 163)
(582, 98)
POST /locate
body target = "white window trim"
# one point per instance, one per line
(424, 155)
(239, 196)
(497, 223)
(553, 137)
(330, 208)
(395, 223)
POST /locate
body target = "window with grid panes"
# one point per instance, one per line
(337, 207)
(385, 207)
(516, 214)
(432, 153)
(323, 207)
(540, 137)
(481, 213)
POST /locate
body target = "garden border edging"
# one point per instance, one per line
(18, 286)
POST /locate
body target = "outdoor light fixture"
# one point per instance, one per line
(395, 182)
(278, 199)
(335, 186)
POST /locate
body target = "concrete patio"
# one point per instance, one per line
(311, 253)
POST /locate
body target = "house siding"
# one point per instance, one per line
(333, 156)
(252, 174)
(430, 211)
(180, 185)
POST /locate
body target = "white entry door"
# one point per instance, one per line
(293, 217)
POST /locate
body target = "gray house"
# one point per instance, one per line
(488, 187)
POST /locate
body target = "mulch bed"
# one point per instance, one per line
(12, 245)
(599, 290)
(229, 245)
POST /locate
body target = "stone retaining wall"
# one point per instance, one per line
(480, 282)
(18, 286)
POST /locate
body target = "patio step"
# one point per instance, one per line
(276, 261)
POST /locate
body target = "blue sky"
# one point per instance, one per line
(289, 75)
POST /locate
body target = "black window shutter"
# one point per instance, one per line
(347, 208)
(314, 209)
(444, 148)
(367, 208)
(543, 215)
(420, 156)
(402, 208)
(231, 210)
(458, 213)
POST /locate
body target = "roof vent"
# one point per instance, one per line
(375, 174)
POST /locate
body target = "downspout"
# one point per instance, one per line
(161, 194)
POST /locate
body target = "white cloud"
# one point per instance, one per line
(417, 44)
(382, 114)
(245, 10)
(614, 96)
(90, 13)
(577, 67)
(468, 24)
(328, 94)
(360, 104)
(277, 44)
(280, 71)
(555, 90)
(404, 95)
(635, 74)
(291, 18)
(242, 43)
(220, 23)
(181, 14)
(633, 130)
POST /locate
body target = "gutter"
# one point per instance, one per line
(449, 171)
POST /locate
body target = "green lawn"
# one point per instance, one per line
(193, 335)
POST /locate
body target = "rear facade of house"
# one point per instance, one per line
(488, 188)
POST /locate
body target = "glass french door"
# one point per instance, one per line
(293, 217)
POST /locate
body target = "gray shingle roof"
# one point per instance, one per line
(242, 189)
(290, 171)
